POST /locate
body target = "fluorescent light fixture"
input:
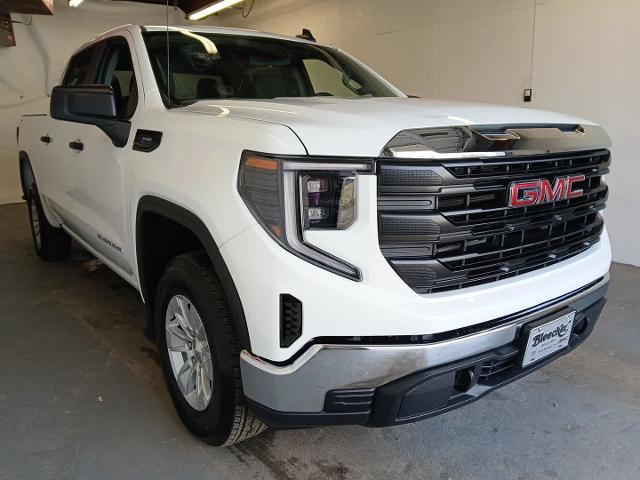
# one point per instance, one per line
(211, 9)
(75, 3)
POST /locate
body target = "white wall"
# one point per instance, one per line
(30, 70)
(580, 57)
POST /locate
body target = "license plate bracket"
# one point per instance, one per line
(545, 337)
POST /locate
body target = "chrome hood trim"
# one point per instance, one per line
(487, 141)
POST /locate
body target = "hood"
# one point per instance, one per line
(363, 126)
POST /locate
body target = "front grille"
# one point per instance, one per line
(445, 224)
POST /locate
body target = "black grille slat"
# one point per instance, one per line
(403, 177)
(462, 233)
(575, 163)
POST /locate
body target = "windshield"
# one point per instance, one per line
(213, 66)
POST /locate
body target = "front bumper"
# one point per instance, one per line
(379, 385)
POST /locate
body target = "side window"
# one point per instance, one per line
(116, 70)
(79, 71)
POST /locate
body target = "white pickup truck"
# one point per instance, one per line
(314, 247)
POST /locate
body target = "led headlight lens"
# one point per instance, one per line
(290, 196)
(328, 201)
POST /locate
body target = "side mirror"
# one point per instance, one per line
(92, 105)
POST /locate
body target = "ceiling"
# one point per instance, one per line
(34, 7)
(45, 7)
(187, 6)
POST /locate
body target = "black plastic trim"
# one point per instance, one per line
(290, 319)
(147, 140)
(185, 218)
(292, 420)
(91, 105)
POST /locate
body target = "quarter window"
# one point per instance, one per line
(116, 71)
(79, 71)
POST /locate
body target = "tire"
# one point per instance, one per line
(189, 289)
(51, 244)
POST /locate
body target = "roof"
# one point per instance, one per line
(223, 31)
(192, 28)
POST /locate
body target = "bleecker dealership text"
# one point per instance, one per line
(560, 331)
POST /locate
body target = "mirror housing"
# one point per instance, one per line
(92, 105)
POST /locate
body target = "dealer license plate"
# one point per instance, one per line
(548, 338)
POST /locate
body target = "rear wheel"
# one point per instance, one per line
(200, 352)
(51, 243)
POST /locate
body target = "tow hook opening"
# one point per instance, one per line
(464, 380)
(582, 325)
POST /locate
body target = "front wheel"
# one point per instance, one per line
(200, 353)
(51, 243)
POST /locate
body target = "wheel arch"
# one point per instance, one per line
(150, 205)
(26, 169)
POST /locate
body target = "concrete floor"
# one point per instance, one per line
(82, 396)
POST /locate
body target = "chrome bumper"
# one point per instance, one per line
(302, 385)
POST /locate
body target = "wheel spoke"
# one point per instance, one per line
(175, 330)
(204, 386)
(207, 365)
(185, 315)
(199, 381)
(198, 327)
(183, 383)
(182, 348)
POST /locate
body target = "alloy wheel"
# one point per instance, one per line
(35, 224)
(189, 352)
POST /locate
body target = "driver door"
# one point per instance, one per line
(101, 191)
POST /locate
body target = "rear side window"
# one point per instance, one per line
(80, 69)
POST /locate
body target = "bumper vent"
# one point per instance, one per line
(290, 320)
(357, 400)
(444, 224)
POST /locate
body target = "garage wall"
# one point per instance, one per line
(30, 70)
(579, 56)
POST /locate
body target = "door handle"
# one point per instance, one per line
(78, 146)
(45, 139)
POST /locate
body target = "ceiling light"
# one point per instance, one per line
(75, 3)
(211, 9)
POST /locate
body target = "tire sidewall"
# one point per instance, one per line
(33, 200)
(216, 421)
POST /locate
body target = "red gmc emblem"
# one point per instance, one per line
(537, 192)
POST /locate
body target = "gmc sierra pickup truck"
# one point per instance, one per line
(313, 246)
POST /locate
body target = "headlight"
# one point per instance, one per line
(292, 195)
